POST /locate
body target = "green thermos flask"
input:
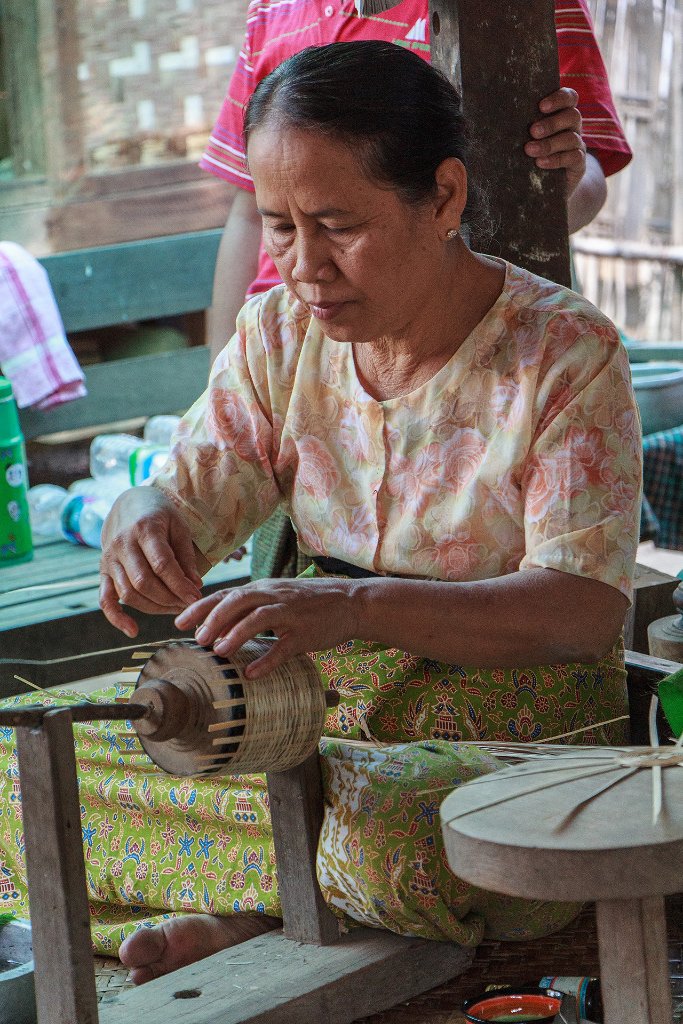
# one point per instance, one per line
(16, 544)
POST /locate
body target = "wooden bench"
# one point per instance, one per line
(48, 607)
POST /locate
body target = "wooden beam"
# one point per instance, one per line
(64, 976)
(503, 59)
(126, 389)
(272, 980)
(130, 281)
(19, 28)
(296, 809)
(652, 599)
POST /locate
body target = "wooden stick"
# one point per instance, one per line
(528, 792)
(217, 726)
(627, 772)
(64, 974)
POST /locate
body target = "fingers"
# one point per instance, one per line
(556, 151)
(219, 614)
(163, 556)
(182, 545)
(561, 99)
(109, 603)
(136, 582)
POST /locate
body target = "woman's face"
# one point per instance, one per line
(360, 258)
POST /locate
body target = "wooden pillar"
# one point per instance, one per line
(64, 971)
(634, 967)
(296, 808)
(502, 57)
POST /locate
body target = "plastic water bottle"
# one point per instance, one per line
(16, 543)
(77, 517)
(82, 519)
(160, 429)
(45, 502)
(107, 487)
(116, 455)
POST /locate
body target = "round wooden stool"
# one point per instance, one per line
(594, 824)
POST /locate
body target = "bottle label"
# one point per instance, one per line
(576, 987)
(145, 461)
(15, 526)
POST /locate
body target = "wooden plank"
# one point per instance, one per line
(644, 676)
(64, 975)
(506, 63)
(634, 968)
(296, 808)
(63, 121)
(272, 980)
(131, 281)
(51, 564)
(53, 651)
(145, 213)
(126, 389)
(80, 592)
(652, 599)
(20, 64)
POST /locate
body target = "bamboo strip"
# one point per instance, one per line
(528, 792)
(627, 773)
(217, 726)
(234, 702)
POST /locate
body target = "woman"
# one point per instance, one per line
(457, 444)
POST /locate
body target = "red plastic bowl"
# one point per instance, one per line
(537, 1005)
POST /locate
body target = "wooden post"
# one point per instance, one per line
(503, 59)
(64, 972)
(634, 970)
(296, 808)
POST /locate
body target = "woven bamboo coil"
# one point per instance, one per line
(208, 717)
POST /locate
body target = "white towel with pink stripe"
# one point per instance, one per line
(34, 352)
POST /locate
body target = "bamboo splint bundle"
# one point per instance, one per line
(206, 716)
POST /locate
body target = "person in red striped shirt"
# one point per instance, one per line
(579, 128)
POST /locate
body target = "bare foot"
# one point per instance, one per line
(152, 952)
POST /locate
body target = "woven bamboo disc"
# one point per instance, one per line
(578, 826)
(207, 717)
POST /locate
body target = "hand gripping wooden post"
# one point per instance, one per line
(502, 58)
(602, 824)
(198, 714)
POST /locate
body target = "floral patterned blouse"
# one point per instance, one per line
(523, 450)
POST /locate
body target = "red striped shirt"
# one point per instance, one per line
(276, 29)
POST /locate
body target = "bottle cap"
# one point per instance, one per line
(9, 417)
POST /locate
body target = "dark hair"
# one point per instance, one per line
(400, 116)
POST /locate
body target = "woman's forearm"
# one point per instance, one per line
(540, 616)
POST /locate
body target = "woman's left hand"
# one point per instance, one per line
(304, 615)
(557, 140)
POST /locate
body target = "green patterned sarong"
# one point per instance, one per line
(156, 846)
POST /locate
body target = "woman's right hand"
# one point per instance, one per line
(148, 559)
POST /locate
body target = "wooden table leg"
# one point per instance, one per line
(64, 966)
(296, 808)
(634, 968)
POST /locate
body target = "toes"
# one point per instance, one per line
(141, 975)
(143, 948)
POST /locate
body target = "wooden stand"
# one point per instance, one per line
(580, 833)
(307, 974)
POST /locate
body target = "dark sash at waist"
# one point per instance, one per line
(337, 567)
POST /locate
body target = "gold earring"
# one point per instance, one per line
(453, 233)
